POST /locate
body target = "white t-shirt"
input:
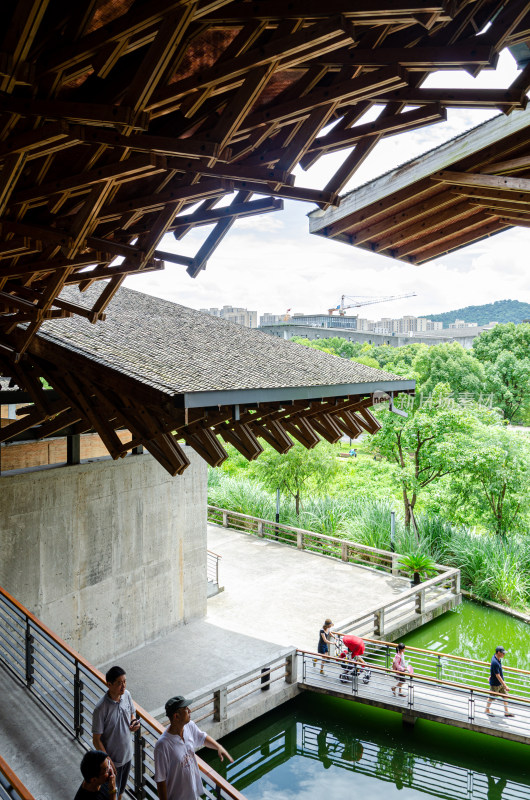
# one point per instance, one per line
(175, 763)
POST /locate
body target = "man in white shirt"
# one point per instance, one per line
(176, 770)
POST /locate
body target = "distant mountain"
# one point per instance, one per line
(500, 311)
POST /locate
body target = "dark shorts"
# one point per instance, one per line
(122, 773)
(499, 689)
(323, 648)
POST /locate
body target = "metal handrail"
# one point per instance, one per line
(212, 566)
(11, 787)
(406, 677)
(68, 686)
(449, 656)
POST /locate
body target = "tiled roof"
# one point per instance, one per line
(179, 350)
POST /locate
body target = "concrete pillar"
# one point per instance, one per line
(220, 712)
(291, 667)
(108, 554)
(73, 449)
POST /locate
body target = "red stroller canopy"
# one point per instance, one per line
(354, 644)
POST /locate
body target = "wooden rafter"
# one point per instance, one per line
(111, 130)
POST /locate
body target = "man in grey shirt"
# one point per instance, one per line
(113, 721)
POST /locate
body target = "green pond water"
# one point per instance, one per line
(319, 747)
(473, 631)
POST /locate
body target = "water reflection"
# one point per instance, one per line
(295, 757)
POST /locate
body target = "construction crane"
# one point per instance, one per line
(364, 301)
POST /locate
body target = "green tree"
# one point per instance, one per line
(429, 444)
(335, 345)
(449, 363)
(291, 472)
(504, 352)
(493, 481)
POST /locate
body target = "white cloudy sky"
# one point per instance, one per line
(272, 263)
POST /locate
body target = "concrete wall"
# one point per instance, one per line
(108, 554)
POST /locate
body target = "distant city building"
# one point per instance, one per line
(241, 316)
(385, 326)
(271, 319)
(459, 323)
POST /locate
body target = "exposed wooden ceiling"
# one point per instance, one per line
(123, 120)
(117, 116)
(466, 190)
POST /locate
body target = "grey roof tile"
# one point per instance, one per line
(180, 350)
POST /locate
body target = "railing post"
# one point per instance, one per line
(456, 583)
(29, 655)
(139, 765)
(290, 667)
(260, 527)
(379, 622)
(471, 705)
(78, 702)
(439, 668)
(300, 540)
(220, 704)
(420, 602)
(395, 564)
(225, 519)
(344, 551)
(265, 679)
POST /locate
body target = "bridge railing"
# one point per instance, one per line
(11, 788)
(69, 687)
(345, 550)
(445, 666)
(220, 701)
(418, 600)
(434, 697)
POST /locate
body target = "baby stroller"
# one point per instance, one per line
(354, 647)
(351, 669)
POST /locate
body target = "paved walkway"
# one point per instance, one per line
(283, 595)
(274, 596)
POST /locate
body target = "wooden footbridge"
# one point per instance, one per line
(444, 688)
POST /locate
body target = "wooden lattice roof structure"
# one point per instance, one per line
(168, 374)
(125, 120)
(468, 189)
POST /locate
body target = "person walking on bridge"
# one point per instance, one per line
(497, 683)
(325, 638)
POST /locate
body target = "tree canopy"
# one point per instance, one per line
(504, 352)
(294, 470)
(430, 443)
